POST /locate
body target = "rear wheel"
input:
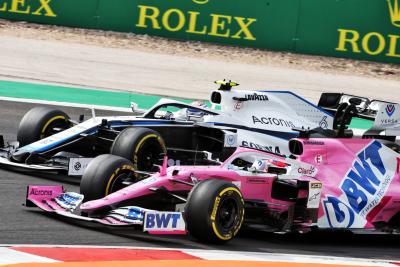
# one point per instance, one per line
(104, 175)
(214, 211)
(41, 122)
(143, 146)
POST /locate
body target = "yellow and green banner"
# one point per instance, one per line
(360, 29)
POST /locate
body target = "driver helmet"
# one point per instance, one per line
(180, 114)
(197, 103)
(259, 165)
(262, 165)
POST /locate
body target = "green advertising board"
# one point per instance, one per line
(71, 13)
(360, 29)
(239, 22)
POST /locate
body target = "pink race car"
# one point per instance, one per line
(341, 183)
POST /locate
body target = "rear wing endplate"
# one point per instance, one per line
(366, 108)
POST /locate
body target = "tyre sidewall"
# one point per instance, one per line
(36, 122)
(203, 204)
(129, 142)
(97, 181)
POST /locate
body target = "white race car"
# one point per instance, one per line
(49, 141)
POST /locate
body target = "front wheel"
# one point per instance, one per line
(214, 211)
(104, 175)
(143, 146)
(41, 122)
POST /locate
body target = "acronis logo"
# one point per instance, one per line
(363, 187)
(394, 12)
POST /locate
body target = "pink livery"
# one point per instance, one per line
(340, 183)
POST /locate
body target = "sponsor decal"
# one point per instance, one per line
(390, 109)
(69, 200)
(363, 187)
(46, 141)
(256, 97)
(163, 221)
(323, 123)
(201, 2)
(273, 121)
(32, 7)
(272, 149)
(77, 166)
(196, 23)
(40, 192)
(389, 121)
(314, 195)
(305, 171)
(394, 12)
(315, 185)
(215, 208)
(256, 181)
(237, 183)
(237, 106)
(373, 43)
(135, 213)
(231, 140)
(319, 159)
(148, 180)
(314, 142)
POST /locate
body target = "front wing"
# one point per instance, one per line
(53, 199)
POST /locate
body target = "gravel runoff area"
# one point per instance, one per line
(153, 44)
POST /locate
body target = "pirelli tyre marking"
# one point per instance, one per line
(42, 133)
(115, 175)
(235, 229)
(140, 144)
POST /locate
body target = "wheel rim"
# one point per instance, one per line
(49, 130)
(149, 154)
(227, 213)
(119, 182)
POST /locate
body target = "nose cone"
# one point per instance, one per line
(94, 204)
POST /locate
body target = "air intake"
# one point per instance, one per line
(296, 147)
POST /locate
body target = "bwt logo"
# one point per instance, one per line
(363, 188)
(390, 109)
(167, 221)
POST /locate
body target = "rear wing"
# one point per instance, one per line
(366, 108)
(386, 115)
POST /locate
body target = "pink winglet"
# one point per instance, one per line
(39, 195)
(163, 171)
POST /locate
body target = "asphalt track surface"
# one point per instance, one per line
(20, 225)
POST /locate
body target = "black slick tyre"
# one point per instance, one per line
(143, 146)
(104, 175)
(39, 123)
(214, 211)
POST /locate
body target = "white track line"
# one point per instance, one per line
(10, 256)
(246, 256)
